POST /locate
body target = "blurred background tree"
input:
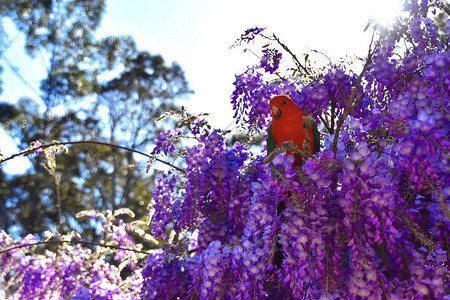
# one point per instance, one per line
(95, 89)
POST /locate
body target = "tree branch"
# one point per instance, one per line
(325, 124)
(294, 57)
(73, 242)
(353, 99)
(43, 147)
(58, 201)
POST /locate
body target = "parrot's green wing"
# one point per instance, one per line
(270, 141)
(316, 138)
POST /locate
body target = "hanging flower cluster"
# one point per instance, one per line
(73, 272)
(367, 217)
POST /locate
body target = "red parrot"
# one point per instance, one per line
(287, 125)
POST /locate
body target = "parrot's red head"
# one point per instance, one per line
(280, 104)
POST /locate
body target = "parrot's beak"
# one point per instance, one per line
(276, 111)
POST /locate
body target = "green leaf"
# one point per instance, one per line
(316, 138)
(270, 141)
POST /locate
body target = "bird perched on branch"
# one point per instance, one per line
(289, 124)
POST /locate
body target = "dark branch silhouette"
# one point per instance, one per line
(73, 242)
(43, 147)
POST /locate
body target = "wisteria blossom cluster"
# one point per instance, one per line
(71, 270)
(367, 217)
(270, 61)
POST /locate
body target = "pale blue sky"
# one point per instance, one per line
(198, 33)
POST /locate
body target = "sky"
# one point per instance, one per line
(197, 34)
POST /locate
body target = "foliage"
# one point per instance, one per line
(366, 217)
(29, 197)
(108, 91)
(143, 91)
(87, 273)
(65, 30)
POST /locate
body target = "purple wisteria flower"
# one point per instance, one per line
(358, 218)
(365, 218)
(250, 34)
(166, 141)
(270, 60)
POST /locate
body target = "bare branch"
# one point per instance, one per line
(294, 57)
(43, 147)
(353, 101)
(74, 242)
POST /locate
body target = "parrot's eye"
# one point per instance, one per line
(284, 102)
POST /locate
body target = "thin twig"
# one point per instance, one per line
(73, 242)
(31, 150)
(2, 51)
(353, 98)
(325, 124)
(17, 73)
(320, 52)
(333, 115)
(294, 57)
(58, 201)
